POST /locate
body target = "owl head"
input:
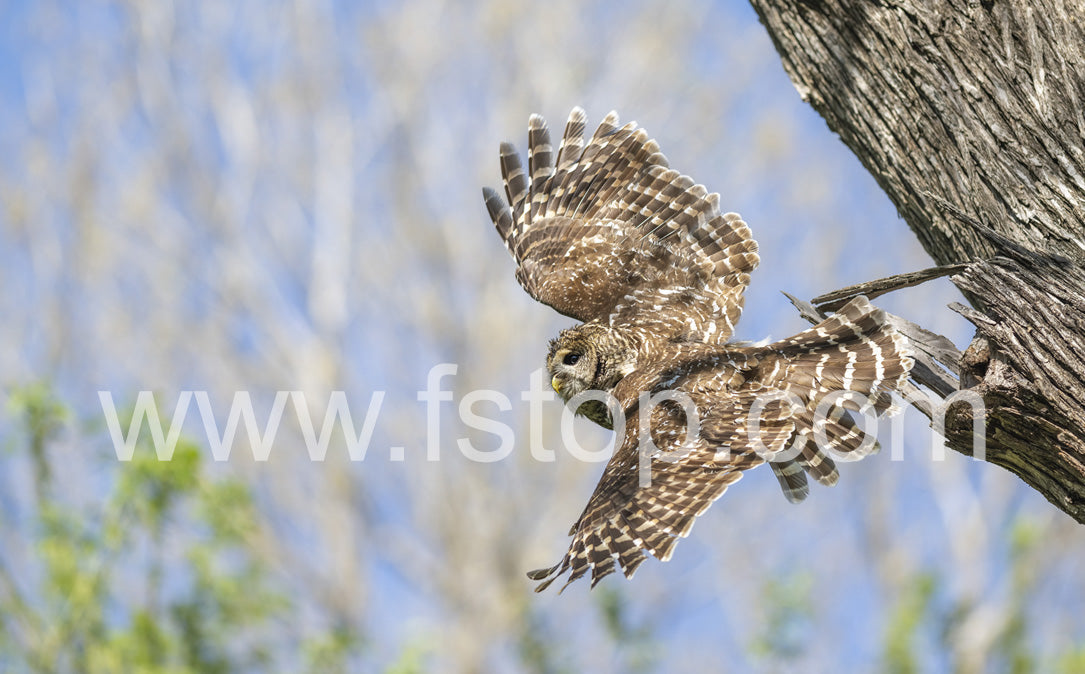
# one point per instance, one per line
(588, 357)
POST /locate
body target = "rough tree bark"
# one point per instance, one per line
(969, 115)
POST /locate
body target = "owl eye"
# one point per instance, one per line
(571, 358)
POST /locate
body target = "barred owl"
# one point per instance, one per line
(606, 233)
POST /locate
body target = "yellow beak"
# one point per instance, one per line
(556, 385)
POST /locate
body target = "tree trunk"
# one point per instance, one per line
(969, 117)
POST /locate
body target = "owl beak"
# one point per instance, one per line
(556, 385)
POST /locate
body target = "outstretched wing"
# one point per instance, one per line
(605, 231)
(778, 387)
(626, 518)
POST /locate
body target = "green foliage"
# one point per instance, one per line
(160, 577)
(1072, 662)
(412, 660)
(920, 612)
(329, 653)
(788, 619)
(534, 643)
(1012, 647)
(912, 612)
(41, 414)
(635, 641)
(41, 417)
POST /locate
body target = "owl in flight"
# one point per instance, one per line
(606, 233)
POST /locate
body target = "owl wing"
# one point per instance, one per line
(607, 232)
(627, 518)
(782, 384)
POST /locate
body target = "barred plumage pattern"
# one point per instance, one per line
(607, 233)
(609, 230)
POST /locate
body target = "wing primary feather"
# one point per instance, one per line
(608, 126)
(572, 142)
(499, 213)
(512, 171)
(540, 154)
(619, 167)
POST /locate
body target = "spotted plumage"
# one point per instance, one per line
(605, 232)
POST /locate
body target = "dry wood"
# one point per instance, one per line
(838, 298)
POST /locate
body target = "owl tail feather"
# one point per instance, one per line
(792, 480)
(857, 350)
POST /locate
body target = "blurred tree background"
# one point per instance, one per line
(285, 196)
